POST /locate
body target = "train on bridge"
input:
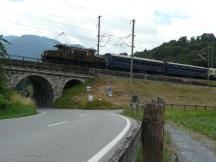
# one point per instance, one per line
(86, 57)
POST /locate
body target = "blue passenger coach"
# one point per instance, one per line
(184, 70)
(142, 65)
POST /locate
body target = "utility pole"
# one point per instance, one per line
(132, 50)
(212, 55)
(98, 35)
(208, 63)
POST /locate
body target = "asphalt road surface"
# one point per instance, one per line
(60, 136)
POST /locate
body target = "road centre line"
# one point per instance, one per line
(98, 156)
(55, 124)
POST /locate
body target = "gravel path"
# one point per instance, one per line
(187, 148)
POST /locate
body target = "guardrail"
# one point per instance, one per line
(126, 151)
(24, 58)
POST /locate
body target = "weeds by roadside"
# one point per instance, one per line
(12, 105)
(77, 98)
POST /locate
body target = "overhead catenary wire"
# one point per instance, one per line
(41, 29)
(64, 24)
(56, 32)
(88, 10)
(115, 19)
(123, 22)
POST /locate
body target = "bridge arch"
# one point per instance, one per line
(42, 89)
(71, 82)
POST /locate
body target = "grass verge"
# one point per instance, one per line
(200, 120)
(13, 105)
(77, 98)
(123, 90)
(166, 152)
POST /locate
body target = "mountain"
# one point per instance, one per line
(10, 38)
(30, 45)
(191, 51)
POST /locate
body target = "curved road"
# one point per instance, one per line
(59, 136)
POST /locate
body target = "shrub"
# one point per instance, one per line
(4, 103)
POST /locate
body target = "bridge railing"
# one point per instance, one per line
(39, 64)
(24, 58)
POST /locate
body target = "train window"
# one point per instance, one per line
(140, 62)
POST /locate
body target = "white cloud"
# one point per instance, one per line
(78, 19)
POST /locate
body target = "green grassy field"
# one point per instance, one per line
(12, 105)
(200, 120)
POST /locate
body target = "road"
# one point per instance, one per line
(60, 136)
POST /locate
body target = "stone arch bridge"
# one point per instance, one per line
(48, 80)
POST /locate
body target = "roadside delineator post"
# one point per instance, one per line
(153, 131)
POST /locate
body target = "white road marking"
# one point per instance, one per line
(81, 115)
(41, 113)
(98, 156)
(32, 116)
(52, 125)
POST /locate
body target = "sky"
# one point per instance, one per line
(156, 21)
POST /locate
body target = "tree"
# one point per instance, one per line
(3, 54)
(193, 39)
(183, 40)
(182, 51)
(206, 37)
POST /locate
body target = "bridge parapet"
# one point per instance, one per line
(50, 67)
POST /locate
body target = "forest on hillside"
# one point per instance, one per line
(193, 51)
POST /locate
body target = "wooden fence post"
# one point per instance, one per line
(153, 131)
